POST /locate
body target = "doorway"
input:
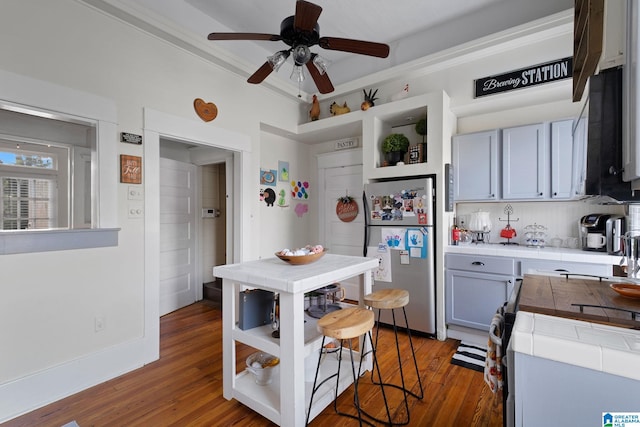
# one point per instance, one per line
(234, 150)
(193, 229)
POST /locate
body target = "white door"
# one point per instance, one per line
(177, 235)
(343, 238)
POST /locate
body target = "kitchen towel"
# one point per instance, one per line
(493, 361)
(469, 356)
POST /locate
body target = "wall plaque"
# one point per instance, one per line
(131, 138)
(130, 169)
(525, 77)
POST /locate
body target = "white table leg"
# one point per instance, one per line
(366, 284)
(292, 399)
(229, 296)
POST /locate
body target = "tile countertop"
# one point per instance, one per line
(548, 253)
(594, 346)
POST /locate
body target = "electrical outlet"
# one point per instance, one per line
(135, 210)
(100, 323)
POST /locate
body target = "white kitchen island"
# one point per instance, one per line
(285, 400)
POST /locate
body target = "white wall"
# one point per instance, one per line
(50, 300)
(300, 230)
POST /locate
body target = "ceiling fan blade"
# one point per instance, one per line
(322, 80)
(261, 74)
(380, 50)
(244, 36)
(306, 16)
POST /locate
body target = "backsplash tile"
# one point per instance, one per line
(560, 218)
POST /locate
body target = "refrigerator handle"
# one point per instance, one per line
(366, 223)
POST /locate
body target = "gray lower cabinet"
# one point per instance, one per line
(586, 394)
(475, 286)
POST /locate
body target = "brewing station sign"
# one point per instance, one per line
(525, 77)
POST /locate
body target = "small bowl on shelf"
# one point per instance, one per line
(301, 259)
(262, 366)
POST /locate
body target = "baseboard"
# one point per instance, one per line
(42, 388)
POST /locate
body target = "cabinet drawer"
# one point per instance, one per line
(553, 268)
(481, 264)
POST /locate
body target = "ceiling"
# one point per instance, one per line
(412, 28)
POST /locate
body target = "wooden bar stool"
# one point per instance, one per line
(347, 324)
(392, 299)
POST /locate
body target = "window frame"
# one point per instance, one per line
(31, 96)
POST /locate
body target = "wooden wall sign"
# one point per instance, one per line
(130, 169)
(347, 209)
(525, 77)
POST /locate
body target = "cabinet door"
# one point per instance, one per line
(473, 298)
(524, 162)
(579, 178)
(562, 159)
(475, 166)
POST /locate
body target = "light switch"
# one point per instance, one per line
(135, 193)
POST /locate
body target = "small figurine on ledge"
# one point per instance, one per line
(402, 94)
(369, 99)
(314, 113)
(336, 110)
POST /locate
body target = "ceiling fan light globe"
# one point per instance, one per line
(301, 54)
(297, 74)
(321, 63)
(277, 59)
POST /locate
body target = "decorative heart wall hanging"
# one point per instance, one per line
(207, 111)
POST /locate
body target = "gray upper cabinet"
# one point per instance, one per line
(525, 162)
(542, 161)
(561, 154)
(476, 165)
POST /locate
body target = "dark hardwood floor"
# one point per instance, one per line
(184, 387)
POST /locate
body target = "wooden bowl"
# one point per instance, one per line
(301, 259)
(628, 290)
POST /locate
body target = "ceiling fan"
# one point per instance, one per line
(301, 31)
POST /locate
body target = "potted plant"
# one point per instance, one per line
(394, 147)
(421, 127)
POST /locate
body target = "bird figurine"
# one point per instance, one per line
(403, 94)
(369, 99)
(336, 109)
(314, 113)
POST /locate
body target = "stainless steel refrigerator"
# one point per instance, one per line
(399, 231)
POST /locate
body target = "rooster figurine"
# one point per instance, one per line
(369, 99)
(314, 113)
(336, 109)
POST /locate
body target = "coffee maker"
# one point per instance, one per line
(593, 232)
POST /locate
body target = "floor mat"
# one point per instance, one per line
(470, 356)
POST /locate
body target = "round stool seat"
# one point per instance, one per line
(387, 299)
(346, 323)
